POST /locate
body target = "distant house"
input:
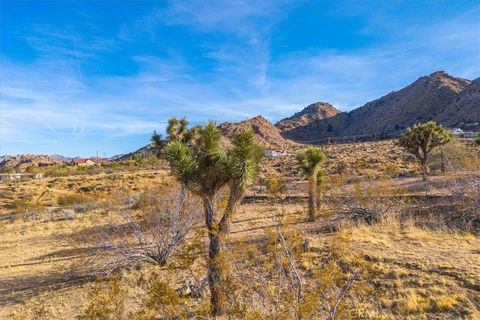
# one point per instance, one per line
(83, 162)
(456, 131)
(38, 176)
(274, 153)
(271, 154)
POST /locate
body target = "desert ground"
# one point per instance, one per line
(417, 256)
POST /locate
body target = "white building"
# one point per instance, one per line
(456, 131)
(271, 154)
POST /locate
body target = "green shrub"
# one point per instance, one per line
(106, 301)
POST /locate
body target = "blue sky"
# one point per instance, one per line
(78, 77)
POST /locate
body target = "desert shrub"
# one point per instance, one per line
(466, 201)
(287, 280)
(20, 205)
(150, 235)
(160, 301)
(36, 309)
(141, 161)
(449, 157)
(31, 168)
(58, 171)
(392, 170)
(106, 301)
(275, 186)
(369, 202)
(371, 175)
(72, 198)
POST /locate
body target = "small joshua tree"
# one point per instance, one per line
(310, 161)
(420, 139)
(158, 143)
(204, 166)
(477, 140)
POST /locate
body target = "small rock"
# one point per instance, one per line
(79, 209)
(68, 214)
(185, 290)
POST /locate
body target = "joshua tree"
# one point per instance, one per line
(477, 140)
(158, 142)
(204, 167)
(310, 161)
(177, 129)
(420, 139)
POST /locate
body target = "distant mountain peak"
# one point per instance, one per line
(439, 73)
(312, 112)
(320, 107)
(266, 134)
(443, 79)
(258, 118)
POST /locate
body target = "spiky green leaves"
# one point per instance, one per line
(310, 160)
(244, 158)
(158, 143)
(177, 129)
(420, 139)
(321, 177)
(205, 166)
(182, 162)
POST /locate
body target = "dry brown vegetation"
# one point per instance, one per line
(380, 250)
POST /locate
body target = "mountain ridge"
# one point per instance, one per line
(427, 98)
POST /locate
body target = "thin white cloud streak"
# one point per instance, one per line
(236, 17)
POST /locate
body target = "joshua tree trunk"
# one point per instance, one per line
(424, 169)
(217, 270)
(318, 199)
(312, 187)
(236, 196)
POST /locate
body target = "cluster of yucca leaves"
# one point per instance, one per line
(420, 139)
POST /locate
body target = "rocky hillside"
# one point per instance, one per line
(439, 97)
(464, 110)
(421, 101)
(266, 134)
(313, 112)
(20, 162)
